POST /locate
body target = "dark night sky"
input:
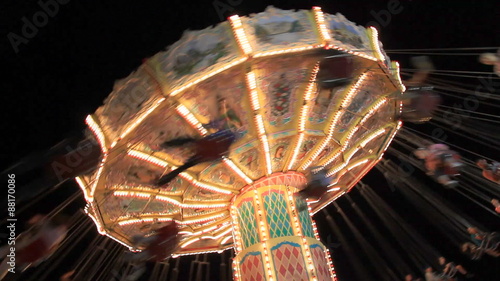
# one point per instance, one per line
(68, 67)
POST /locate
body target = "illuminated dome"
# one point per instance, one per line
(259, 72)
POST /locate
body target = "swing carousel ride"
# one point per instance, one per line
(260, 75)
(305, 97)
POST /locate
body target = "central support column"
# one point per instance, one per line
(274, 241)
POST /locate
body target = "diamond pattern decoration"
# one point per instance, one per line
(322, 269)
(280, 79)
(305, 221)
(290, 178)
(277, 215)
(252, 268)
(248, 224)
(288, 262)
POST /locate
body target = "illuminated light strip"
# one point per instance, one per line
(333, 189)
(199, 232)
(205, 219)
(208, 229)
(237, 170)
(240, 35)
(98, 224)
(191, 119)
(266, 259)
(156, 161)
(402, 87)
(317, 209)
(189, 242)
(99, 134)
(192, 252)
(352, 52)
(259, 122)
(293, 212)
(372, 110)
(119, 241)
(351, 153)
(343, 147)
(194, 206)
(146, 214)
(125, 221)
(209, 187)
(356, 178)
(308, 97)
(343, 165)
(331, 158)
(346, 161)
(350, 135)
(372, 136)
(226, 239)
(298, 232)
(148, 158)
(309, 259)
(101, 230)
(97, 178)
(303, 115)
(263, 231)
(138, 120)
(236, 269)
(296, 150)
(357, 164)
(218, 235)
(331, 130)
(375, 43)
(263, 234)
(315, 230)
(201, 79)
(122, 193)
(285, 51)
(391, 138)
(83, 186)
(236, 230)
(320, 21)
(370, 113)
(153, 191)
(347, 99)
(330, 264)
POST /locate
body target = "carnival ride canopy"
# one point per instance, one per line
(259, 74)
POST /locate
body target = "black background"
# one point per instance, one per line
(68, 68)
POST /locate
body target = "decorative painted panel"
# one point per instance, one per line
(322, 269)
(196, 52)
(252, 267)
(130, 97)
(277, 29)
(220, 174)
(305, 222)
(277, 215)
(346, 34)
(248, 224)
(279, 149)
(289, 262)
